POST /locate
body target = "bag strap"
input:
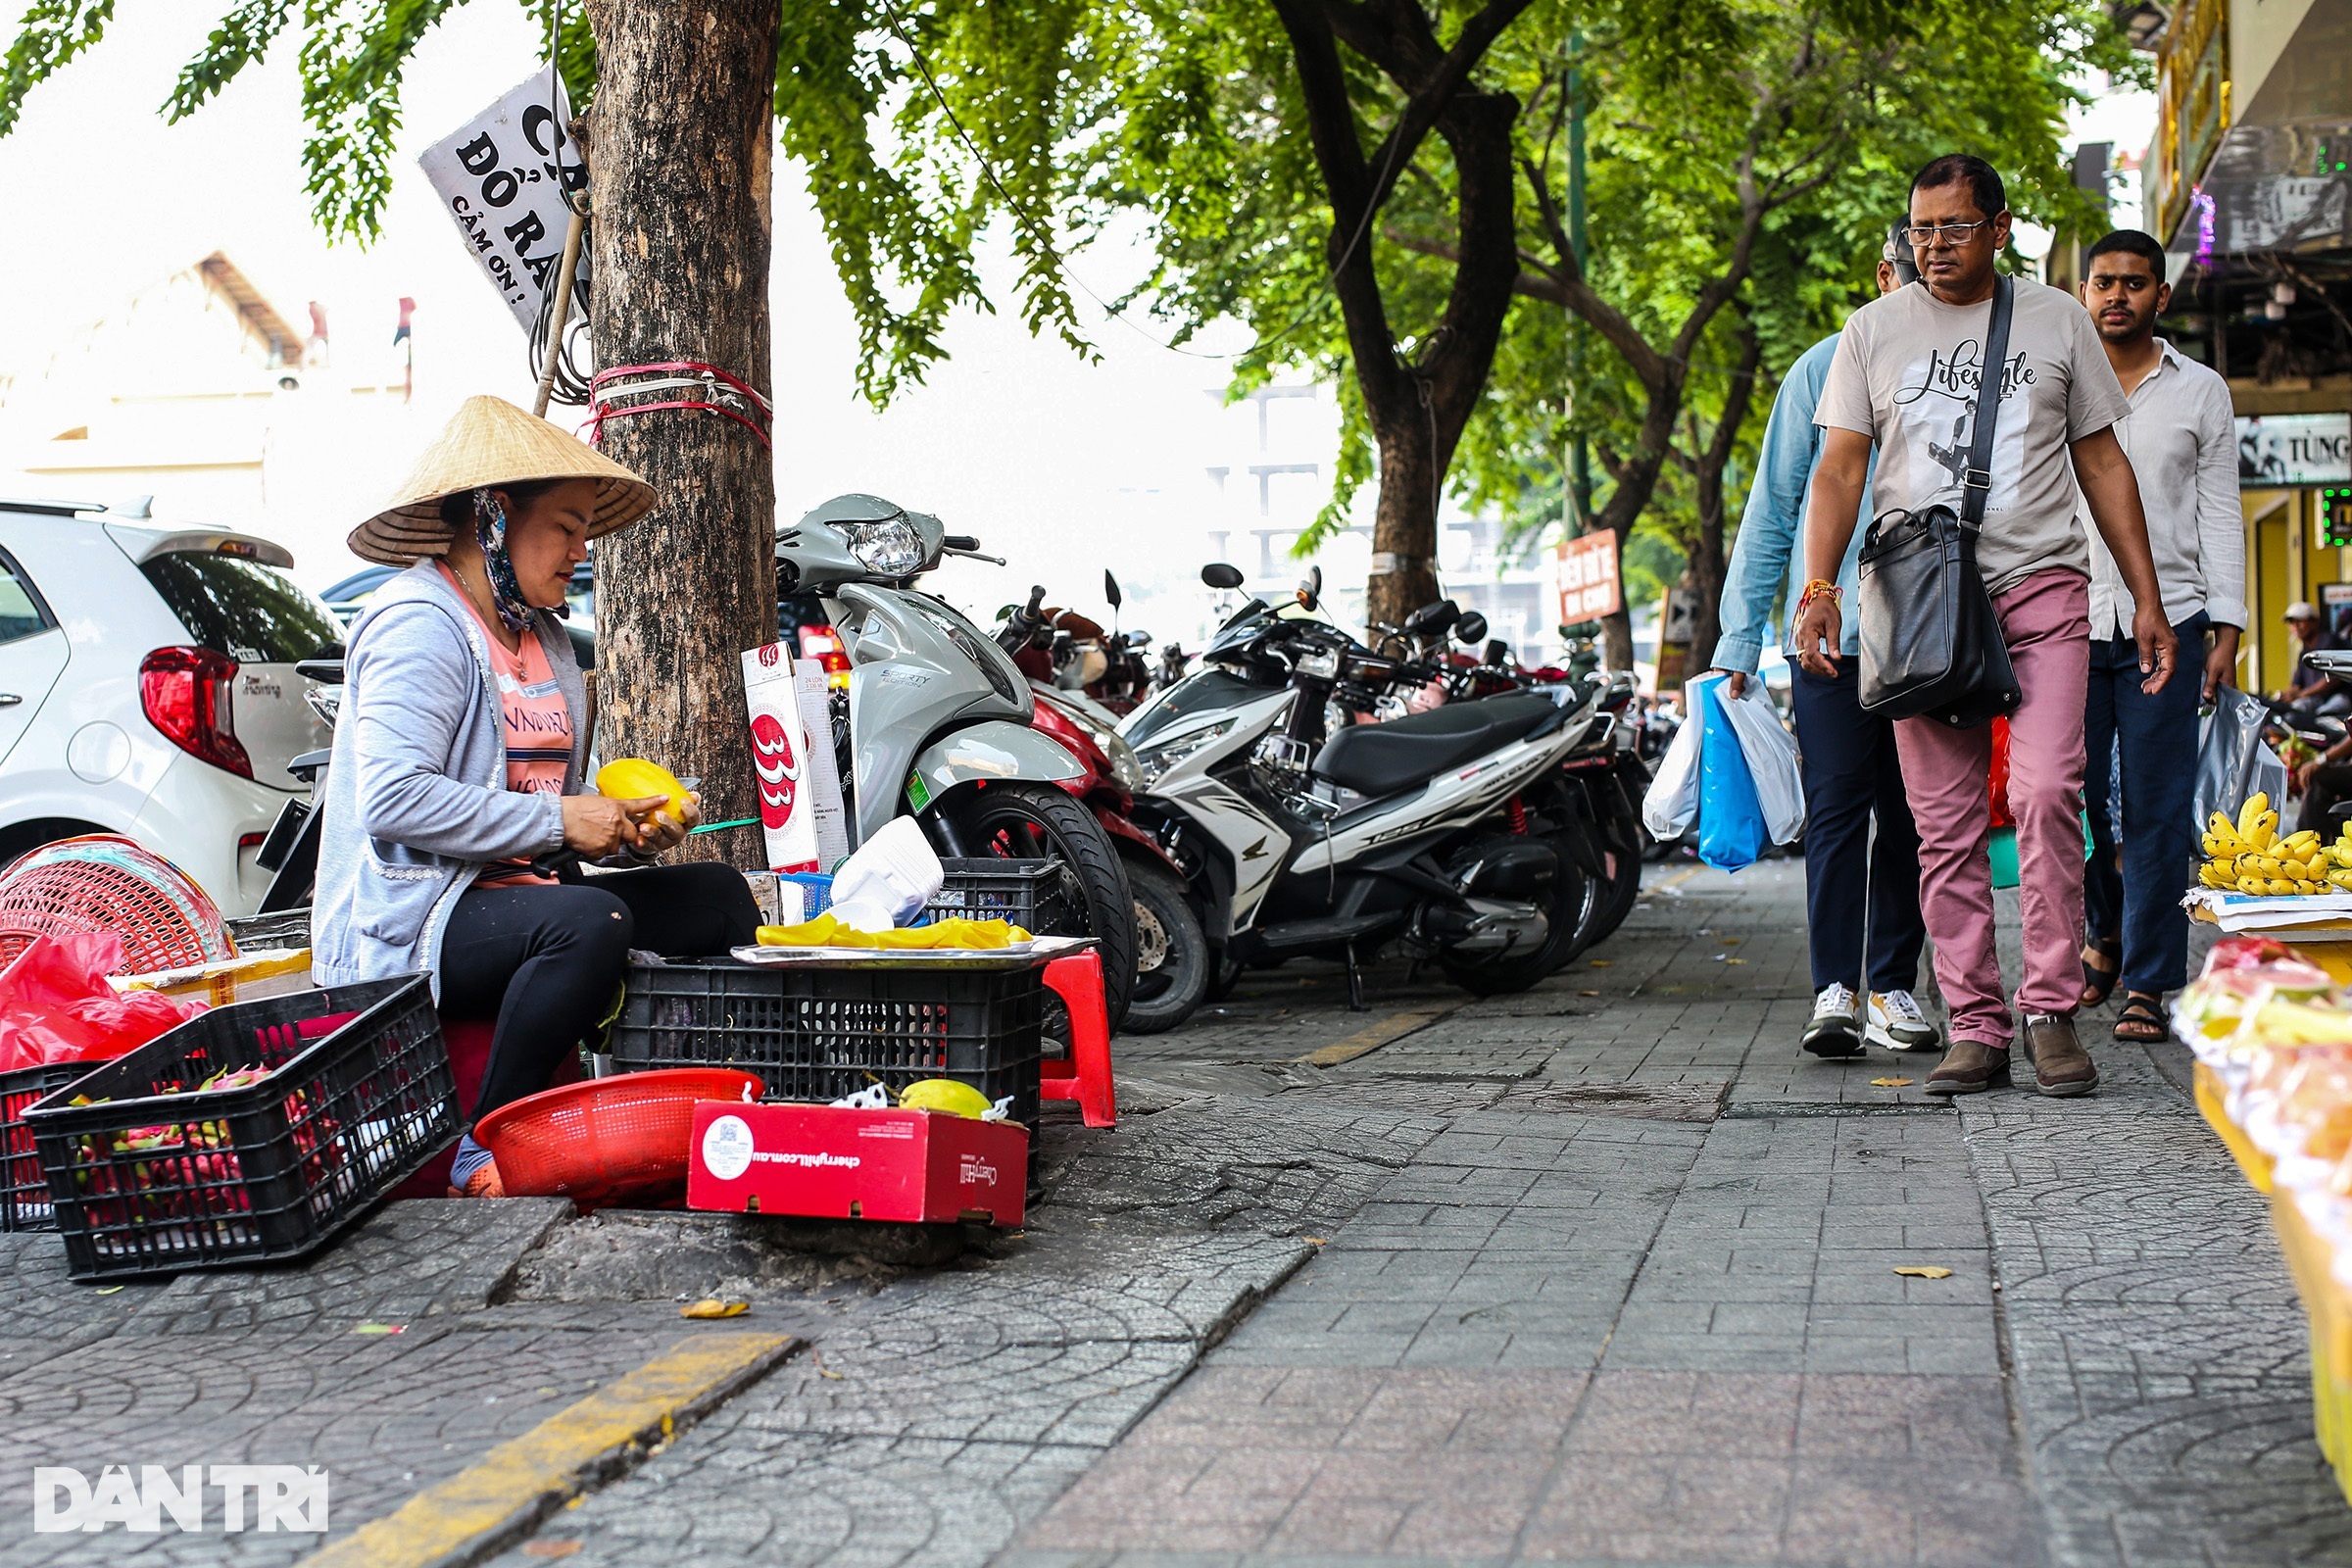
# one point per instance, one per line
(1978, 483)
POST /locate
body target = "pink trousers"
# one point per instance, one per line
(2046, 620)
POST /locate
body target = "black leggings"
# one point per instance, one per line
(545, 960)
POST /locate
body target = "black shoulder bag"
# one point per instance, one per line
(1931, 645)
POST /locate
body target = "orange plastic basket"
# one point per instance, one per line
(104, 882)
(608, 1142)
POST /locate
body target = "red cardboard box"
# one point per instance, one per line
(828, 1162)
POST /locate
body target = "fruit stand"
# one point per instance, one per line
(2273, 1035)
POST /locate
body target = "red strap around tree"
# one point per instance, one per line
(721, 394)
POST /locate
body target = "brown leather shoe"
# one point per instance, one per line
(2062, 1068)
(1970, 1067)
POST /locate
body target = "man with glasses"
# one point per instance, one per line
(1906, 375)
(2183, 443)
(1861, 889)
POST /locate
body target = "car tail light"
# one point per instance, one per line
(185, 692)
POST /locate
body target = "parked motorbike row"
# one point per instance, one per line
(1300, 792)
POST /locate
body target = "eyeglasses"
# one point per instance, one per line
(1946, 233)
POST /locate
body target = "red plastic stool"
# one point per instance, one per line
(1085, 1076)
(468, 1041)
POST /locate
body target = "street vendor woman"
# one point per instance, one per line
(456, 821)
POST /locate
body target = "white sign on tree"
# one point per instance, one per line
(501, 178)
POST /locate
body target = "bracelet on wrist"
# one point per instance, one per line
(1816, 589)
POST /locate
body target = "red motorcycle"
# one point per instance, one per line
(1172, 958)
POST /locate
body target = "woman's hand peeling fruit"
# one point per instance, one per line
(634, 779)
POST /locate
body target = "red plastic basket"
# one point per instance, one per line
(104, 882)
(608, 1142)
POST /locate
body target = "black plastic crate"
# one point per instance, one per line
(818, 1033)
(1022, 893)
(150, 1177)
(24, 1186)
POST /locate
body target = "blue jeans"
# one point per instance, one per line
(1850, 776)
(2132, 889)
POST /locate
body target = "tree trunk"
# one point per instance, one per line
(679, 170)
(1404, 526)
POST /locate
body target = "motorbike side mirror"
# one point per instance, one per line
(1139, 639)
(1311, 590)
(1110, 590)
(1217, 574)
(1471, 628)
(1431, 619)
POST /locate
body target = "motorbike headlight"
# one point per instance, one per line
(1157, 759)
(1323, 663)
(892, 548)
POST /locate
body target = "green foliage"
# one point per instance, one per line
(1835, 101)
(51, 34)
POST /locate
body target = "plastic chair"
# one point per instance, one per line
(1085, 1075)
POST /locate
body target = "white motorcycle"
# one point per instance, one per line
(1450, 832)
(939, 720)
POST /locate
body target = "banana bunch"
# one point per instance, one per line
(2248, 856)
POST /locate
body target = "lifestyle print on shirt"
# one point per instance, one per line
(1936, 424)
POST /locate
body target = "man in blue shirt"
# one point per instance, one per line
(1860, 890)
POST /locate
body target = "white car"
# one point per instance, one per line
(147, 688)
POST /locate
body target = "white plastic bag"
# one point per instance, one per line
(889, 879)
(1673, 797)
(1672, 803)
(1770, 752)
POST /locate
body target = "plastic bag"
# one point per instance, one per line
(1732, 830)
(56, 1005)
(1770, 753)
(1672, 800)
(889, 879)
(2227, 756)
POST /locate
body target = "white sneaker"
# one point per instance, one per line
(1837, 1026)
(1896, 1023)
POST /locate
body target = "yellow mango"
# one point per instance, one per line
(634, 778)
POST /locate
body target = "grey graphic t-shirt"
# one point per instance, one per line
(1905, 375)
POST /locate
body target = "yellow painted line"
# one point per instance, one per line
(520, 1481)
(1372, 1037)
(1676, 880)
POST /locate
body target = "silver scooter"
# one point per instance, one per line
(939, 719)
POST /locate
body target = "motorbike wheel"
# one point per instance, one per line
(1567, 907)
(1172, 960)
(1024, 821)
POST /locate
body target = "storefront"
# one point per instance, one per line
(2248, 184)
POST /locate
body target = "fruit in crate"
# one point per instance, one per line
(634, 778)
(949, 1095)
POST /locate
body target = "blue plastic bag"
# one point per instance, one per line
(1732, 831)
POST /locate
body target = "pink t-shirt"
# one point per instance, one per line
(538, 731)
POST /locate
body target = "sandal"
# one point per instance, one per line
(2142, 1019)
(2098, 983)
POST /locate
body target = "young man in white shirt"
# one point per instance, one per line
(1906, 375)
(2183, 443)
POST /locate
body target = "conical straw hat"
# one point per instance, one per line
(490, 442)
